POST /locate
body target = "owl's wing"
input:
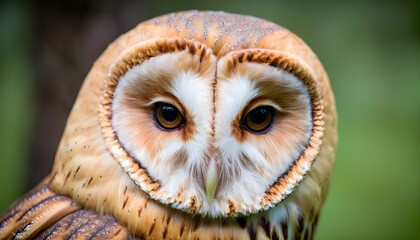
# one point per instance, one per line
(42, 214)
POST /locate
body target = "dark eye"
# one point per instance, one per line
(168, 117)
(259, 119)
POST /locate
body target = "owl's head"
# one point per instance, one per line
(210, 113)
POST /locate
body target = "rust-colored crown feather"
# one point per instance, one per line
(99, 188)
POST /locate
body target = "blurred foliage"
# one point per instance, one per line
(371, 50)
(16, 88)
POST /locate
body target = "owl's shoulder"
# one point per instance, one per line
(42, 214)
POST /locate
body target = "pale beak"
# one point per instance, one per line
(211, 181)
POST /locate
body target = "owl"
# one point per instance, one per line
(193, 125)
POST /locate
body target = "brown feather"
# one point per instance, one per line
(42, 214)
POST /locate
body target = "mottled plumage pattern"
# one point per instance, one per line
(43, 214)
(118, 174)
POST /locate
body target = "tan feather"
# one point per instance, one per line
(98, 184)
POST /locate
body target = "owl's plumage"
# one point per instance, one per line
(192, 125)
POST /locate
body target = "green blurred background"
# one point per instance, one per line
(371, 50)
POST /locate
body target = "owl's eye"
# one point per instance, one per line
(259, 119)
(168, 117)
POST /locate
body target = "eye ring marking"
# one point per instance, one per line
(168, 117)
(259, 120)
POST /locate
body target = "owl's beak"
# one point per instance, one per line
(211, 181)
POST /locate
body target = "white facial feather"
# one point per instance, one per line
(235, 92)
(195, 94)
(246, 167)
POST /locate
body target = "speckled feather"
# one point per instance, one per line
(87, 184)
